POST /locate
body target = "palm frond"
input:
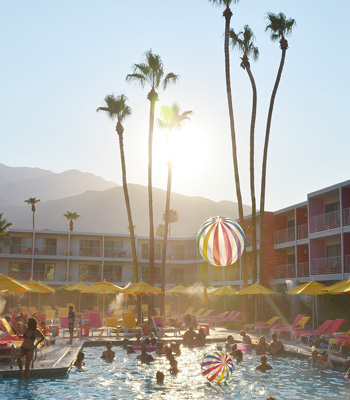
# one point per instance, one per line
(225, 3)
(279, 25)
(139, 78)
(170, 78)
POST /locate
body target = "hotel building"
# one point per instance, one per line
(306, 241)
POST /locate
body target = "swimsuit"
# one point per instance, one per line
(32, 337)
(71, 316)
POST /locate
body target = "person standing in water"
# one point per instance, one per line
(28, 346)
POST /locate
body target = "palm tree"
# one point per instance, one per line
(32, 201)
(173, 217)
(280, 27)
(116, 107)
(244, 41)
(160, 230)
(151, 72)
(227, 14)
(172, 118)
(71, 216)
(5, 236)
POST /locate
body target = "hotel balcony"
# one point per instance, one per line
(285, 236)
(303, 231)
(325, 222)
(326, 266)
(286, 271)
(347, 264)
(303, 270)
(346, 216)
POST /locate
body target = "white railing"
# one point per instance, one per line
(303, 231)
(326, 266)
(285, 235)
(346, 216)
(324, 222)
(303, 270)
(347, 263)
(286, 271)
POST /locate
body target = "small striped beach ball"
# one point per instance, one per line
(217, 366)
(221, 241)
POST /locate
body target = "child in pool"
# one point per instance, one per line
(264, 366)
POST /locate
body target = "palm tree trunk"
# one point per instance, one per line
(264, 166)
(252, 183)
(153, 98)
(71, 225)
(165, 238)
(228, 14)
(33, 217)
(131, 225)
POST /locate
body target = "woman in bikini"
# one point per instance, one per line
(28, 346)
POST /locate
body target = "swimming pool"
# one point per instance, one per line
(125, 378)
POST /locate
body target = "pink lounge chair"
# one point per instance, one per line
(287, 328)
(319, 331)
(234, 316)
(212, 319)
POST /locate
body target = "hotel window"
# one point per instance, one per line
(114, 248)
(20, 271)
(44, 271)
(112, 273)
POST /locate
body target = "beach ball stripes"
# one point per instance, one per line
(217, 366)
(221, 241)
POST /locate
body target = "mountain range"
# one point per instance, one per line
(99, 203)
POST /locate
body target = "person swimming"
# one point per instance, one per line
(261, 347)
(325, 362)
(160, 377)
(173, 367)
(263, 366)
(79, 362)
(108, 354)
(245, 338)
(144, 357)
(238, 355)
(275, 347)
(229, 342)
(314, 360)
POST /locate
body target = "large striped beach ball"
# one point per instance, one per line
(221, 241)
(217, 366)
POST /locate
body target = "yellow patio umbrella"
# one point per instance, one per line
(37, 287)
(337, 288)
(256, 289)
(80, 287)
(11, 285)
(103, 288)
(178, 289)
(311, 288)
(223, 291)
(142, 288)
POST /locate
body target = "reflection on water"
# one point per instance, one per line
(125, 378)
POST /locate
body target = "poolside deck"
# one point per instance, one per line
(57, 360)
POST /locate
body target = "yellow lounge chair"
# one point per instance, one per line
(63, 312)
(129, 324)
(199, 312)
(25, 310)
(47, 308)
(117, 314)
(33, 310)
(6, 326)
(50, 315)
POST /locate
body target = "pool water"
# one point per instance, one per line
(126, 378)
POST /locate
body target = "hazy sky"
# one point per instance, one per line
(60, 58)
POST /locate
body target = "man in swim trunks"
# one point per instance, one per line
(71, 320)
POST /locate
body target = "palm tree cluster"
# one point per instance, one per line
(151, 73)
(279, 27)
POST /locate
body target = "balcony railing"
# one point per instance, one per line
(285, 235)
(90, 277)
(88, 252)
(325, 222)
(46, 251)
(303, 231)
(347, 263)
(115, 253)
(173, 255)
(326, 266)
(286, 271)
(303, 270)
(19, 250)
(346, 216)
